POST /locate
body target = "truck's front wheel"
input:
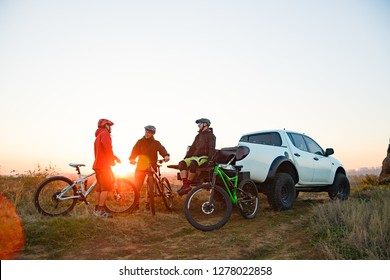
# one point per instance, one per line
(340, 188)
(282, 194)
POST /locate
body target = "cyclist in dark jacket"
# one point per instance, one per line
(201, 151)
(146, 149)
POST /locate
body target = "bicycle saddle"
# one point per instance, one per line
(76, 164)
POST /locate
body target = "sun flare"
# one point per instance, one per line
(123, 169)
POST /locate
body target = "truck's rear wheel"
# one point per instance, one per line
(282, 193)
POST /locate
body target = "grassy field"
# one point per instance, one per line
(316, 228)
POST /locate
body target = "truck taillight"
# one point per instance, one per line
(242, 152)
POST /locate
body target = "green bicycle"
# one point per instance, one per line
(209, 206)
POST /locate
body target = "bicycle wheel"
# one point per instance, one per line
(46, 196)
(123, 198)
(207, 208)
(248, 199)
(166, 193)
(150, 185)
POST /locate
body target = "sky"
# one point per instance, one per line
(317, 67)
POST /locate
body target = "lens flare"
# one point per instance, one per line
(11, 230)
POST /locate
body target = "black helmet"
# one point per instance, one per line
(203, 120)
(150, 128)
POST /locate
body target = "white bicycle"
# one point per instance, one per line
(58, 195)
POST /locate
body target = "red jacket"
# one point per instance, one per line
(104, 156)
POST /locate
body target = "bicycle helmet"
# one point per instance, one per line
(103, 122)
(150, 128)
(203, 120)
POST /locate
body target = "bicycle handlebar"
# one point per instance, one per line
(159, 161)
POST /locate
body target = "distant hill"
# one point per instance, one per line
(364, 170)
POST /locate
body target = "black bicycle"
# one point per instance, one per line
(158, 186)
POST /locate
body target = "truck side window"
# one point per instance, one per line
(313, 146)
(272, 139)
(298, 141)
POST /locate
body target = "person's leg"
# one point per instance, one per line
(187, 173)
(97, 199)
(192, 171)
(105, 180)
(102, 199)
(139, 179)
(98, 192)
(183, 174)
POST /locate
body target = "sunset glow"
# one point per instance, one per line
(123, 169)
(315, 67)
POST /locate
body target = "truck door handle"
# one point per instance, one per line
(297, 155)
(316, 159)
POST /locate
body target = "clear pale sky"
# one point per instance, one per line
(318, 67)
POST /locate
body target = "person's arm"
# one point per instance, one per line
(163, 152)
(134, 153)
(212, 141)
(107, 147)
(190, 152)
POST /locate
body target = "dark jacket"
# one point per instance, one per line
(146, 150)
(203, 145)
(104, 156)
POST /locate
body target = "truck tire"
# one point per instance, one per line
(282, 192)
(340, 188)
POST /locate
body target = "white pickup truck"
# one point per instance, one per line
(283, 163)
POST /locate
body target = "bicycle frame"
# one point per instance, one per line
(83, 193)
(156, 174)
(229, 182)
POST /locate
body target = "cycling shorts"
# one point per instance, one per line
(200, 160)
(105, 180)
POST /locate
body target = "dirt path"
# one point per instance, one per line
(271, 235)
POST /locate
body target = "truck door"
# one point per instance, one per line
(322, 164)
(302, 158)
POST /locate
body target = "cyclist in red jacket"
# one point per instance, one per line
(104, 159)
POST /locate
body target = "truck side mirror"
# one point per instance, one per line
(329, 151)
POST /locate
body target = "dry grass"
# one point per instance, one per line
(355, 229)
(358, 228)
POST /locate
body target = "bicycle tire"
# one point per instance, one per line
(166, 193)
(124, 197)
(203, 216)
(45, 200)
(151, 183)
(248, 199)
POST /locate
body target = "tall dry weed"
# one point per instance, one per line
(355, 229)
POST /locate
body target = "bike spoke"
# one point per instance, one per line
(46, 198)
(207, 213)
(123, 198)
(247, 199)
